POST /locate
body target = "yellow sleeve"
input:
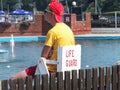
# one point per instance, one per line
(50, 38)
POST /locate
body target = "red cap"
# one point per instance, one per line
(57, 9)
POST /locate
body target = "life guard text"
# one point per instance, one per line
(71, 61)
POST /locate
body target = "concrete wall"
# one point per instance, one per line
(41, 27)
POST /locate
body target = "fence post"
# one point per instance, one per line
(81, 79)
(107, 79)
(74, 80)
(95, 78)
(115, 19)
(12, 84)
(60, 82)
(29, 83)
(101, 78)
(118, 77)
(4, 85)
(53, 81)
(67, 80)
(45, 80)
(88, 79)
(37, 82)
(114, 77)
(21, 83)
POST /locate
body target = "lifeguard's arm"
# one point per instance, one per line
(46, 52)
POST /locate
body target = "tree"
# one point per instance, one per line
(8, 4)
(40, 5)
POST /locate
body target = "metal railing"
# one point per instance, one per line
(106, 20)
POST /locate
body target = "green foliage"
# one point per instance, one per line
(5, 24)
(40, 5)
(24, 25)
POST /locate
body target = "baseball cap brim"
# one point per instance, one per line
(48, 10)
(58, 18)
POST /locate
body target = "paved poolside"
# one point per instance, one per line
(98, 36)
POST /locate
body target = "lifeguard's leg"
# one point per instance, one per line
(27, 72)
(21, 74)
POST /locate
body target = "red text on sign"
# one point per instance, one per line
(71, 63)
(69, 53)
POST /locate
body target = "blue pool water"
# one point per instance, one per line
(95, 52)
(26, 54)
(100, 52)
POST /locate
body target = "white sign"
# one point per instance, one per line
(67, 19)
(69, 58)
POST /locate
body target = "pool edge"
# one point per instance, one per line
(42, 38)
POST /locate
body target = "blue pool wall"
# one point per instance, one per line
(42, 38)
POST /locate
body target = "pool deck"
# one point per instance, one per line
(42, 38)
(98, 36)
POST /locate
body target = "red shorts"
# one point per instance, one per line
(31, 70)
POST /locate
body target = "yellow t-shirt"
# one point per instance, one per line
(59, 35)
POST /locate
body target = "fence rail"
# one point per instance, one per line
(99, 78)
(106, 20)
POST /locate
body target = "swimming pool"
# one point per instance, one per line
(42, 38)
(95, 52)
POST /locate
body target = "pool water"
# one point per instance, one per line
(26, 54)
(100, 52)
(94, 53)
